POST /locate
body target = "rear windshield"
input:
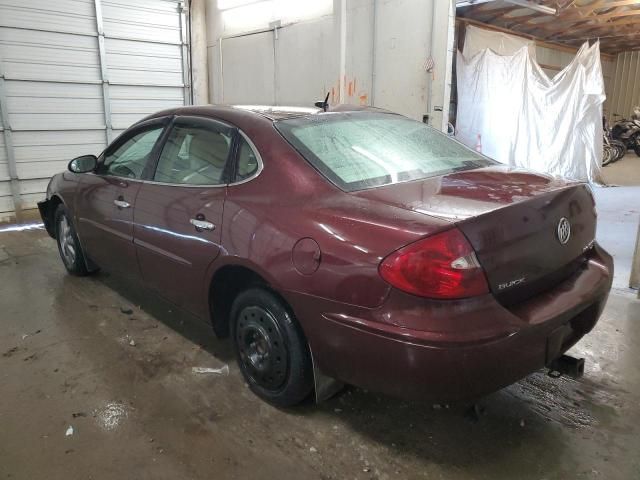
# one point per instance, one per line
(359, 150)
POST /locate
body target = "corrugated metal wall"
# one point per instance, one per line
(73, 75)
(626, 85)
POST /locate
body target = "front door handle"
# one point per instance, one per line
(201, 224)
(121, 204)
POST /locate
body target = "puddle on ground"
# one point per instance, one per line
(555, 400)
(111, 415)
(21, 227)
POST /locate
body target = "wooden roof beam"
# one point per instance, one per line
(560, 22)
(481, 7)
(577, 12)
(549, 20)
(587, 33)
(615, 37)
(523, 19)
(596, 18)
(539, 41)
(586, 10)
(501, 13)
(596, 31)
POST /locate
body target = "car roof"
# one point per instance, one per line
(279, 112)
(241, 113)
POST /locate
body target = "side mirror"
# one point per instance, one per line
(83, 164)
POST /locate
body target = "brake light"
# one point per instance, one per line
(442, 266)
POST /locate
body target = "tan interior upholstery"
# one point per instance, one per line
(208, 147)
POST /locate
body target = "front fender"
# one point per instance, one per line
(61, 189)
(45, 208)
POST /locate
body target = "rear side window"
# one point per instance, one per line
(358, 150)
(194, 155)
(247, 160)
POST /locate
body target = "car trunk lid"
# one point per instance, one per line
(511, 218)
(532, 245)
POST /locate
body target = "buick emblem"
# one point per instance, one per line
(564, 231)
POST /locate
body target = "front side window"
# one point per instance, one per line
(129, 159)
(358, 150)
(194, 155)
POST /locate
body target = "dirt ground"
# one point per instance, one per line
(92, 390)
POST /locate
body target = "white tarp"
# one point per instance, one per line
(477, 39)
(528, 120)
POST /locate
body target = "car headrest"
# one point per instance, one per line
(209, 147)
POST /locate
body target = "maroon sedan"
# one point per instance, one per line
(353, 244)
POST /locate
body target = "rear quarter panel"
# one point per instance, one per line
(290, 201)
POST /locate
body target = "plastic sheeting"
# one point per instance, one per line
(477, 39)
(510, 108)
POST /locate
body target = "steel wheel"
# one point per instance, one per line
(262, 348)
(67, 242)
(271, 349)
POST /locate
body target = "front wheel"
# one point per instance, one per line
(68, 243)
(606, 155)
(271, 349)
(620, 149)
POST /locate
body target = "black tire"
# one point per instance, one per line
(607, 155)
(270, 347)
(635, 142)
(620, 149)
(69, 247)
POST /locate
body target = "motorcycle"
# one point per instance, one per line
(628, 131)
(612, 150)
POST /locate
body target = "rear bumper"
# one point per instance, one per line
(466, 349)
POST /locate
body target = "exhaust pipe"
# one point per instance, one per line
(566, 365)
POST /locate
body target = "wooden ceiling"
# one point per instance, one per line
(615, 22)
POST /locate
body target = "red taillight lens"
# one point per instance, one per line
(440, 266)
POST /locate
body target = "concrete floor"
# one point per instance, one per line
(69, 357)
(619, 214)
(624, 172)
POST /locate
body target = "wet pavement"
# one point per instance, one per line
(96, 382)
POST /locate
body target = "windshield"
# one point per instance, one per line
(358, 150)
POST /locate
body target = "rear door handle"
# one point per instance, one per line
(202, 224)
(121, 204)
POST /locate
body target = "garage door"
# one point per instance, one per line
(248, 69)
(270, 68)
(73, 75)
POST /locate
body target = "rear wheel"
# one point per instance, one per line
(271, 349)
(68, 243)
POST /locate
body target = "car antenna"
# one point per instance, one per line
(323, 105)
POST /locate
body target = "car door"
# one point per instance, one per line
(178, 214)
(106, 198)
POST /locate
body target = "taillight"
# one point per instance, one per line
(442, 266)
